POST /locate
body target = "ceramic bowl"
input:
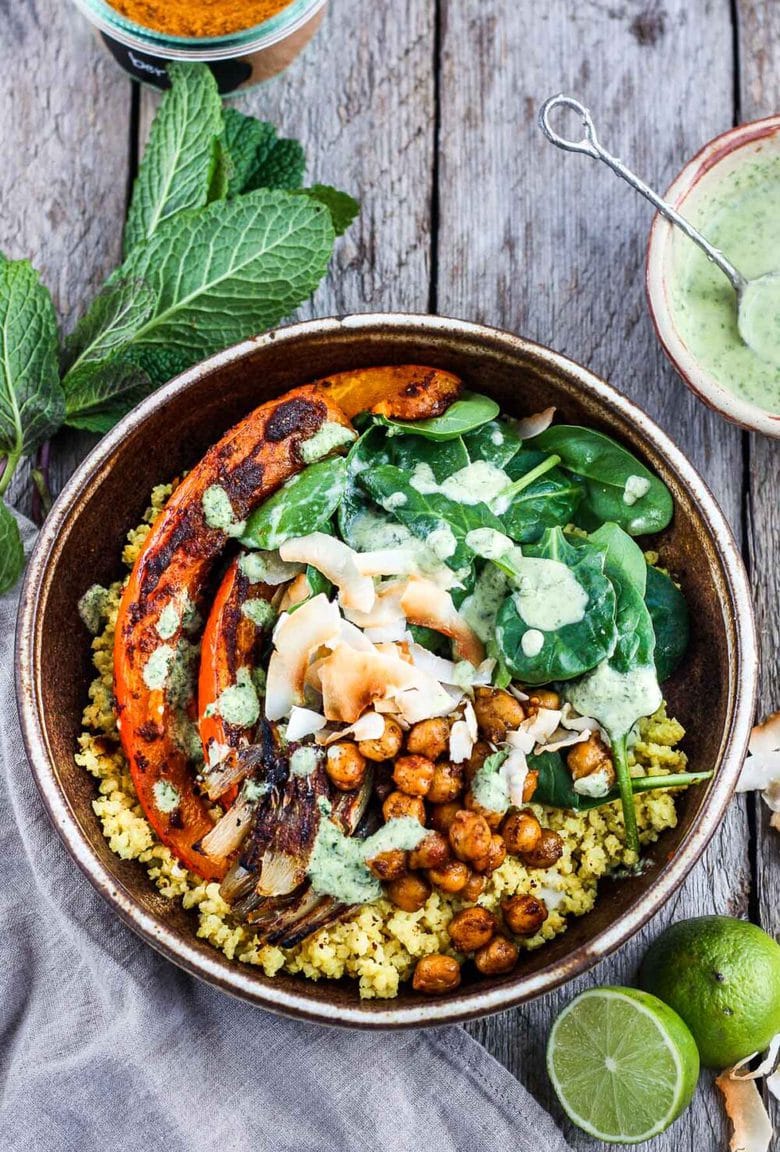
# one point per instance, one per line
(699, 176)
(713, 693)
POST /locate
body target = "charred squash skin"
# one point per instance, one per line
(399, 391)
(249, 463)
(230, 641)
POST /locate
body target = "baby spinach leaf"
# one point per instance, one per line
(355, 506)
(555, 787)
(462, 416)
(178, 164)
(497, 442)
(428, 513)
(98, 395)
(444, 458)
(606, 468)
(623, 557)
(550, 500)
(577, 644)
(31, 400)
(671, 623)
(226, 271)
(11, 550)
(343, 208)
(302, 505)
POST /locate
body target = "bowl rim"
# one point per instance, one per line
(472, 1002)
(701, 382)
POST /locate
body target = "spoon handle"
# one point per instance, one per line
(590, 145)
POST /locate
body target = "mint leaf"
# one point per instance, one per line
(178, 164)
(11, 550)
(100, 394)
(31, 401)
(113, 318)
(281, 165)
(228, 271)
(343, 208)
(245, 139)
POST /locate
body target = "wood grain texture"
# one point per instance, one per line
(552, 246)
(65, 160)
(759, 95)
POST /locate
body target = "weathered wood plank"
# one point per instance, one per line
(360, 99)
(65, 162)
(759, 95)
(552, 246)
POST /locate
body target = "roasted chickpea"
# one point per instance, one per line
(409, 892)
(473, 889)
(399, 804)
(496, 712)
(544, 698)
(522, 832)
(472, 928)
(469, 835)
(451, 877)
(546, 853)
(436, 974)
(529, 786)
(413, 775)
(493, 858)
(479, 755)
(590, 756)
(524, 915)
(389, 865)
(493, 818)
(499, 955)
(440, 816)
(447, 783)
(345, 766)
(429, 738)
(431, 852)
(387, 746)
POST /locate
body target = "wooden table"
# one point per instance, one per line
(426, 109)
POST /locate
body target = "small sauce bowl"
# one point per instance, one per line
(698, 180)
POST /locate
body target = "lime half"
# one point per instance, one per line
(623, 1064)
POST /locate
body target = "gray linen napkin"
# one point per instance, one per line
(107, 1047)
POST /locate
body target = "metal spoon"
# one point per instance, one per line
(758, 300)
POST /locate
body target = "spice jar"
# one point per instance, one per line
(238, 59)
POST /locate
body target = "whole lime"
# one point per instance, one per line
(723, 977)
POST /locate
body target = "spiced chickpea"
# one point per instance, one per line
(493, 858)
(387, 746)
(497, 711)
(399, 804)
(522, 832)
(473, 889)
(493, 818)
(524, 914)
(429, 738)
(499, 955)
(479, 755)
(345, 766)
(544, 698)
(409, 892)
(469, 835)
(447, 783)
(546, 853)
(436, 974)
(413, 775)
(431, 852)
(451, 877)
(472, 929)
(440, 816)
(389, 865)
(529, 785)
(591, 756)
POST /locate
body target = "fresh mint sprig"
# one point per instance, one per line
(221, 242)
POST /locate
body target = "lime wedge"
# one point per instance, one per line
(623, 1064)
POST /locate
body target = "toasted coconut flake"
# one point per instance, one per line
(370, 726)
(563, 739)
(761, 770)
(752, 1130)
(531, 426)
(461, 742)
(352, 637)
(304, 722)
(385, 610)
(518, 693)
(387, 562)
(742, 1070)
(573, 722)
(521, 739)
(295, 593)
(335, 560)
(542, 725)
(433, 665)
(387, 634)
(418, 704)
(352, 681)
(429, 606)
(296, 637)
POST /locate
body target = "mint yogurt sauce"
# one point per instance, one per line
(740, 215)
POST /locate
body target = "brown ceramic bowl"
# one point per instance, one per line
(713, 694)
